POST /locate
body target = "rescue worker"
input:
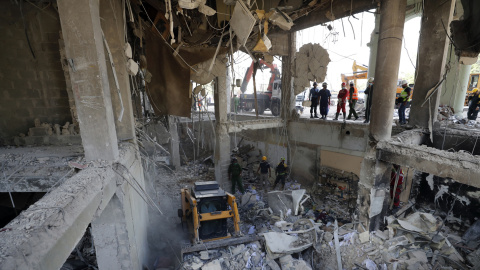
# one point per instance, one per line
(471, 95)
(281, 173)
(314, 97)
(474, 101)
(368, 105)
(235, 175)
(265, 172)
(324, 100)
(352, 101)
(342, 100)
(403, 99)
(397, 173)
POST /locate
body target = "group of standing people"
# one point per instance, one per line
(323, 96)
(350, 95)
(235, 174)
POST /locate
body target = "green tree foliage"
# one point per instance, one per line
(476, 67)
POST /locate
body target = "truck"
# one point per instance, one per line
(268, 100)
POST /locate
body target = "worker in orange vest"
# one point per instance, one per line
(342, 100)
(352, 101)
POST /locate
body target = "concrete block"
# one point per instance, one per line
(213, 265)
(364, 237)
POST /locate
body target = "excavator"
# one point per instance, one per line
(356, 75)
(361, 72)
(265, 100)
(206, 209)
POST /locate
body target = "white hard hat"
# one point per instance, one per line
(370, 80)
(404, 82)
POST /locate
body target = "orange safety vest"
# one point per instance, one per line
(355, 94)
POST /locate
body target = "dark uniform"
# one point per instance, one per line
(235, 175)
(369, 92)
(324, 102)
(281, 172)
(472, 112)
(314, 97)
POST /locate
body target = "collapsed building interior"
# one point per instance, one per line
(98, 137)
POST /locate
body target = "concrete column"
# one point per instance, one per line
(288, 97)
(222, 139)
(455, 87)
(174, 146)
(373, 44)
(432, 53)
(80, 21)
(387, 64)
(113, 28)
(111, 240)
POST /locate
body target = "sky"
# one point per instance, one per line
(343, 49)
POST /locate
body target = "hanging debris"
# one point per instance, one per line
(310, 65)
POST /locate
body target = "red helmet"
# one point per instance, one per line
(344, 84)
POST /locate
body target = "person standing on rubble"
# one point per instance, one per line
(281, 173)
(324, 100)
(403, 99)
(396, 177)
(352, 101)
(368, 105)
(473, 103)
(314, 97)
(235, 175)
(265, 172)
(342, 100)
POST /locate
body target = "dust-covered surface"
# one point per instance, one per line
(36, 232)
(37, 169)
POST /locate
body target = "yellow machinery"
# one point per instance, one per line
(473, 82)
(357, 75)
(206, 209)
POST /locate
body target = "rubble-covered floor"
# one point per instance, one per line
(37, 169)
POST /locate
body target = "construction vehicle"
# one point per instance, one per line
(206, 209)
(356, 75)
(269, 99)
(473, 82)
(363, 74)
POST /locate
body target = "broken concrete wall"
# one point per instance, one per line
(312, 146)
(32, 82)
(456, 140)
(50, 229)
(445, 195)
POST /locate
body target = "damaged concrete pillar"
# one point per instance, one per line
(388, 60)
(222, 139)
(455, 87)
(113, 247)
(372, 174)
(432, 53)
(373, 44)
(174, 145)
(288, 96)
(114, 31)
(84, 50)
